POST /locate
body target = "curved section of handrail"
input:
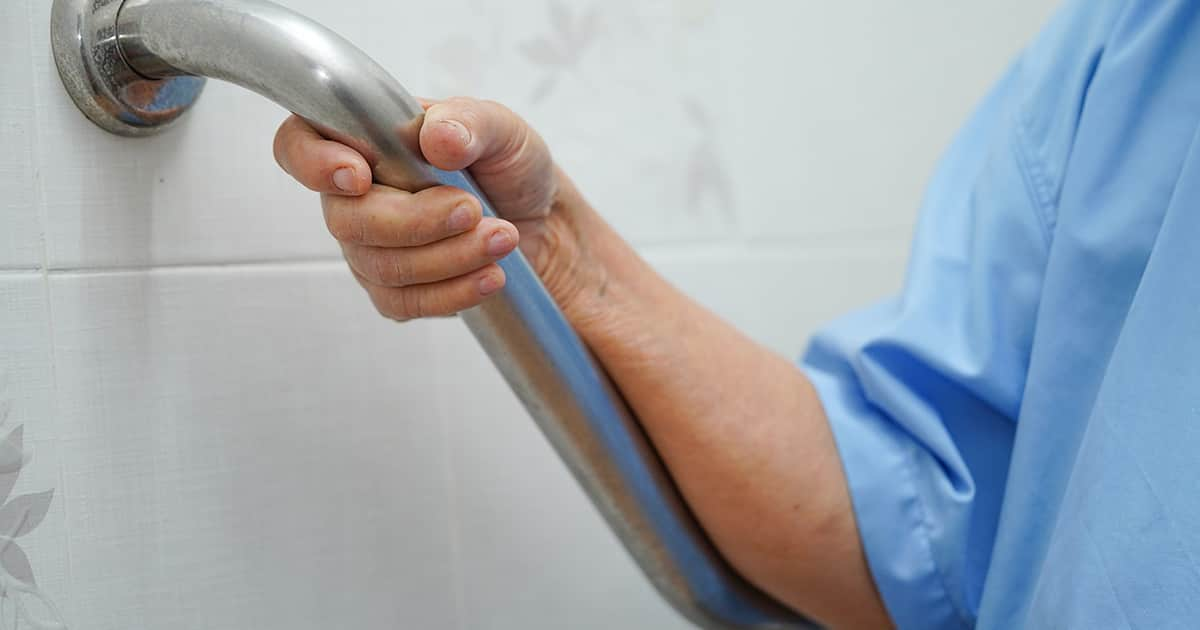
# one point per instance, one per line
(325, 79)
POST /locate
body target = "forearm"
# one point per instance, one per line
(740, 429)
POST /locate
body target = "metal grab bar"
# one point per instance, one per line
(134, 67)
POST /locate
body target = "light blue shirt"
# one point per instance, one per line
(1020, 428)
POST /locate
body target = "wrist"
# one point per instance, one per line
(567, 261)
(617, 303)
(621, 308)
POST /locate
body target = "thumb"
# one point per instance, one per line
(508, 159)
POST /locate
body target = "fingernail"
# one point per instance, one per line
(461, 218)
(343, 178)
(500, 243)
(460, 131)
(489, 284)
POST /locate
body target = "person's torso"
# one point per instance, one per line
(1100, 521)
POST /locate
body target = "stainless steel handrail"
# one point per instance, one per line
(132, 67)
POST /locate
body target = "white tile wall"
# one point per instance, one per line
(235, 440)
(20, 240)
(849, 104)
(248, 447)
(779, 295)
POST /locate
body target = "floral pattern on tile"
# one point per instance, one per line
(22, 603)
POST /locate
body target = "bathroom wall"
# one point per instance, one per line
(209, 428)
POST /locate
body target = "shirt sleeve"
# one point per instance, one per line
(922, 391)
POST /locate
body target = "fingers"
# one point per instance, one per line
(508, 159)
(492, 240)
(386, 217)
(432, 252)
(462, 132)
(421, 254)
(505, 155)
(436, 299)
(319, 164)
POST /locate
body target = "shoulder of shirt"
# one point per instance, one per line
(1053, 77)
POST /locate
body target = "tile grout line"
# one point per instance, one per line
(320, 262)
(35, 150)
(741, 243)
(839, 235)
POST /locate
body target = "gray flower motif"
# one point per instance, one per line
(465, 62)
(560, 50)
(706, 177)
(19, 515)
(462, 65)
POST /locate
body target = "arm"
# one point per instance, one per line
(740, 429)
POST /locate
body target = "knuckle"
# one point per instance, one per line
(391, 267)
(294, 153)
(342, 226)
(410, 303)
(384, 302)
(376, 268)
(392, 217)
(442, 204)
(469, 200)
(277, 150)
(282, 144)
(371, 225)
(345, 218)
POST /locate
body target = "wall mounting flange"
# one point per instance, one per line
(84, 40)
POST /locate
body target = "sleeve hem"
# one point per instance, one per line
(892, 523)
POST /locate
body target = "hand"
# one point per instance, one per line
(430, 253)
